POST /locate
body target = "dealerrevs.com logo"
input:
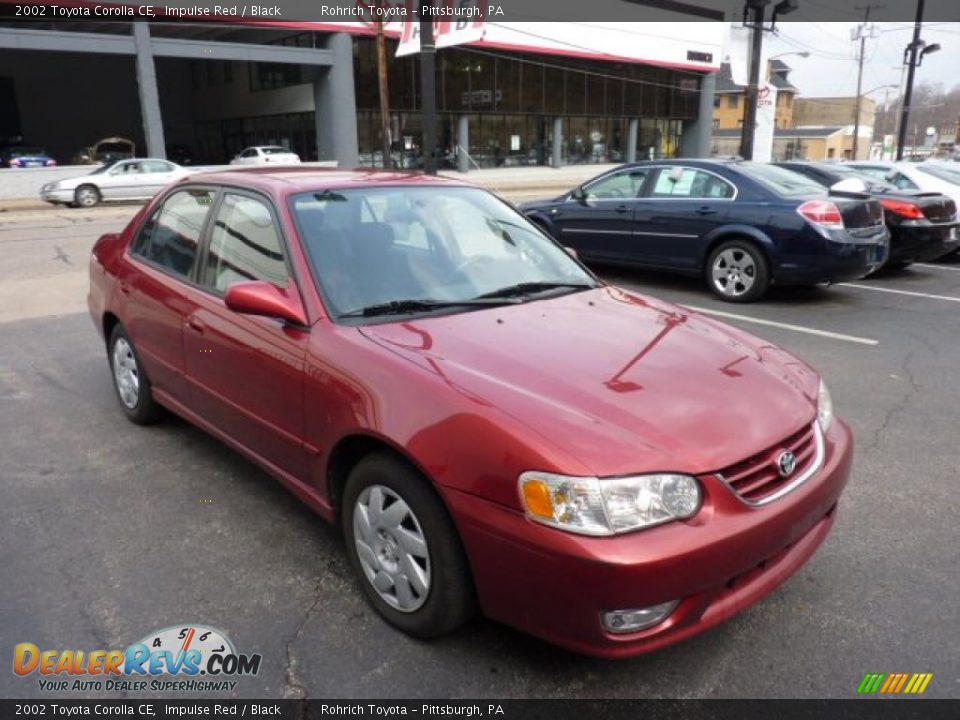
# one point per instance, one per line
(181, 658)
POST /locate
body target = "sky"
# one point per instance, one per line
(831, 69)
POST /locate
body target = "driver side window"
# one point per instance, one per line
(622, 185)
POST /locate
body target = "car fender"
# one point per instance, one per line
(541, 219)
(729, 231)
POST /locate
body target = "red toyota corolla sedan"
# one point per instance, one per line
(492, 426)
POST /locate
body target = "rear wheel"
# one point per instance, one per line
(130, 381)
(405, 549)
(737, 271)
(86, 196)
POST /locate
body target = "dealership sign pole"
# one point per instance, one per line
(462, 23)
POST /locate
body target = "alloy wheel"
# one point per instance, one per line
(87, 197)
(734, 272)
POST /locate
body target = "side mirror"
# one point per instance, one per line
(263, 298)
(850, 185)
(571, 252)
(579, 194)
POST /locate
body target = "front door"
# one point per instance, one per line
(244, 372)
(597, 220)
(682, 205)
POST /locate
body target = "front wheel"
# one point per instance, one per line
(86, 196)
(405, 549)
(737, 271)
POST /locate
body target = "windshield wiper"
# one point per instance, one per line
(526, 288)
(401, 307)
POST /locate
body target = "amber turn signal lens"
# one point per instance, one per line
(536, 496)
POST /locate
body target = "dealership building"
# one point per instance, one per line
(524, 94)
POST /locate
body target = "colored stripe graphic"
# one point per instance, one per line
(894, 683)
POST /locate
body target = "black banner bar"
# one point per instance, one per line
(147, 709)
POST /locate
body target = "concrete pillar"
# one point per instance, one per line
(149, 95)
(336, 106)
(696, 139)
(463, 144)
(632, 130)
(556, 158)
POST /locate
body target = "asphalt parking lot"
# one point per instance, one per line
(109, 531)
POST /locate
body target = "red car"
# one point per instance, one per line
(493, 427)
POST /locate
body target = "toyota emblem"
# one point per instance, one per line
(786, 463)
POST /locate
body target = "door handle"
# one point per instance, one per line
(124, 287)
(196, 325)
(706, 210)
(622, 208)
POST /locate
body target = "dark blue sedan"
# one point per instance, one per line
(24, 156)
(742, 226)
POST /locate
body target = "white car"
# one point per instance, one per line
(924, 176)
(266, 155)
(137, 179)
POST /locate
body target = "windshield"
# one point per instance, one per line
(941, 173)
(780, 181)
(103, 168)
(370, 247)
(273, 150)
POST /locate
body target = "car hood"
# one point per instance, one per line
(621, 382)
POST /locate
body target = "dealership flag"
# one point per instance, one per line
(461, 22)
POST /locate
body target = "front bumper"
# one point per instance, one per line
(555, 584)
(57, 196)
(922, 242)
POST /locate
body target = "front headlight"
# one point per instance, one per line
(824, 407)
(591, 506)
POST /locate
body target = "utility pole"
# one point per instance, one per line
(384, 92)
(863, 31)
(914, 50)
(755, 8)
(428, 88)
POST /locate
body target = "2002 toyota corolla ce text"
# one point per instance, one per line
(492, 426)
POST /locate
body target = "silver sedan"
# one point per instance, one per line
(138, 179)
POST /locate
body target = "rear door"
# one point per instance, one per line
(600, 223)
(155, 175)
(681, 206)
(244, 372)
(153, 282)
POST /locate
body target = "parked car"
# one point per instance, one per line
(266, 155)
(922, 225)
(138, 179)
(741, 226)
(106, 151)
(25, 156)
(490, 424)
(924, 176)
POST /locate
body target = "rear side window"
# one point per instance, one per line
(244, 245)
(679, 182)
(171, 236)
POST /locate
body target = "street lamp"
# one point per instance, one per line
(801, 53)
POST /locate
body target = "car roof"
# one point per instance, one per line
(296, 179)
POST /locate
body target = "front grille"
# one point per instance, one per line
(757, 479)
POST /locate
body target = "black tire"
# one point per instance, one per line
(542, 226)
(144, 411)
(746, 271)
(86, 196)
(449, 600)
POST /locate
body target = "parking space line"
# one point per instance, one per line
(911, 293)
(938, 267)
(786, 326)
